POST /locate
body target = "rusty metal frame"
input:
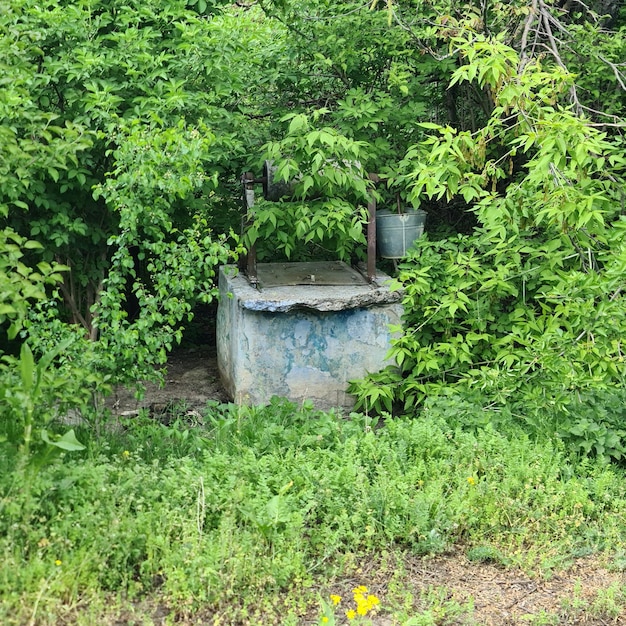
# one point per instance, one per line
(248, 263)
(371, 231)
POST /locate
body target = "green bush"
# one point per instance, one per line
(530, 304)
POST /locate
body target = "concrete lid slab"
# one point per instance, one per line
(309, 273)
(353, 293)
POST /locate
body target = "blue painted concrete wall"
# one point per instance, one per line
(302, 353)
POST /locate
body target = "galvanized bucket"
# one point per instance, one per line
(397, 232)
(275, 190)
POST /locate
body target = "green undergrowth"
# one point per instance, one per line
(253, 510)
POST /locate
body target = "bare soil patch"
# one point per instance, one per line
(191, 380)
(488, 595)
(192, 377)
(507, 597)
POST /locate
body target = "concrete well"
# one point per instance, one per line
(302, 340)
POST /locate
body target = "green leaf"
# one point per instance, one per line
(297, 123)
(430, 125)
(67, 442)
(27, 367)
(32, 245)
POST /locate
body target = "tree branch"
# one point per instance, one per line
(618, 75)
(547, 17)
(524, 57)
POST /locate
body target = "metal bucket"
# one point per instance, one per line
(397, 232)
(274, 190)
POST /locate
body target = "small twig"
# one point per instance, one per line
(200, 508)
(518, 600)
(614, 67)
(582, 334)
(44, 586)
(419, 42)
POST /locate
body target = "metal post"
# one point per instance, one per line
(371, 233)
(247, 183)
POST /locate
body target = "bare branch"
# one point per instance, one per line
(546, 18)
(618, 122)
(606, 124)
(532, 16)
(422, 46)
(616, 71)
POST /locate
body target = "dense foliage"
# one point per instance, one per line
(125, 128)
(530, 302)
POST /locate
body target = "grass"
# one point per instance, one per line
(250, 514)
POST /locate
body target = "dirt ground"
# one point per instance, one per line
(191, 381)
(484, 594)
(506, 597)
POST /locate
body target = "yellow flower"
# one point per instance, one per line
(471, 480)
(126, 454)
(58, 562)
(360, 589)
(372, 601)
(335, 599)
(351, 614)
(365, 604)
(324, 620)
